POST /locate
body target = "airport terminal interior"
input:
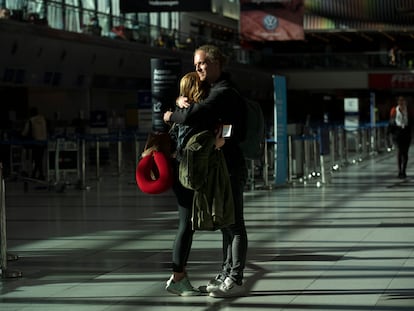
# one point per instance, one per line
(336, 235)
(345, 245)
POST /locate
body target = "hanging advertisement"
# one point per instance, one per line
(165, 75)
(133, 6)
(271, 20)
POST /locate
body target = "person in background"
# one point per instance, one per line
(400, 118)
(222, 105)
(4, 13)
(35, 130)
(93, 27)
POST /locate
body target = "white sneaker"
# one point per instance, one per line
(229, 288)
(213, 285)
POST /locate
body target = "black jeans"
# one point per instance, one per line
(184, 237)
(235, 240)
(38, 152)
(403, 141)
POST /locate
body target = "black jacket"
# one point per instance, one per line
(223, 105)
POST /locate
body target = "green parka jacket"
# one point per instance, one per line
(204, 170)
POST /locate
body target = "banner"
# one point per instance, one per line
(271, 20)
(165, 77)
(133, 6)
(388, 81)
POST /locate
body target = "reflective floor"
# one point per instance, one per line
(348, 245)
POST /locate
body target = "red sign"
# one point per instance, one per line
(271, 20)
(391, 80)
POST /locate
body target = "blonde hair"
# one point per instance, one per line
(192, 87)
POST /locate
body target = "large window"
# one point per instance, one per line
(74, 15)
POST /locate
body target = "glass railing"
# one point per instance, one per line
(91, 21)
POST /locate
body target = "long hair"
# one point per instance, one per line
(192, 87)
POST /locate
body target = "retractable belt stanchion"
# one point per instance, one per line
(5, 272)
(290, 159)
(57, 150)
(59, 185)
(253, 183)
(82, 183)
(137, 148)
(333, 147)
(266, 167)
(315, 149)
(97, 159)
(119, 144)
(306, 158)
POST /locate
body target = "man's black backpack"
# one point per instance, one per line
(255, 136)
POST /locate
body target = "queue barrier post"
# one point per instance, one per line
(97, 159)
(82, 182)
(5, 272)
(266, 167)
(119, 153)
(290, 158)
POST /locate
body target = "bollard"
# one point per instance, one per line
(5, 272)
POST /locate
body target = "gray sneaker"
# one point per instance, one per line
(181, 288)
(229, 288)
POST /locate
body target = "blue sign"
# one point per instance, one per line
(280, 128)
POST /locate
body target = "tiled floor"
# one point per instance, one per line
(348, 245)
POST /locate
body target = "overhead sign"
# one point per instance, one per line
(271, 20)
(132, 6)
(391, 80)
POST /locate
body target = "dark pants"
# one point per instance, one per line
(402, 140)
(184, 237)
(38, 152)
(235, 236)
